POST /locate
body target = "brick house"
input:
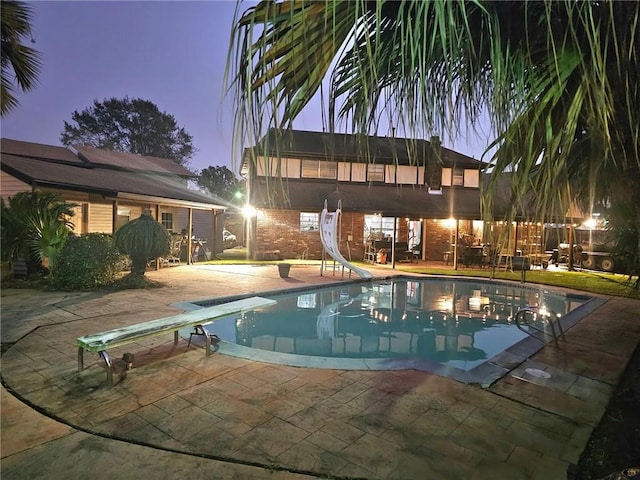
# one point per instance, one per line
(396, 193)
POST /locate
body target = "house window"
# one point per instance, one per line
(167, 220)
(122, 217)
(319, 169)
(309, 222)
(377, 227)
(375, 173)
(458, 177)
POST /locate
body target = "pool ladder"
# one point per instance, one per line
(540, 323)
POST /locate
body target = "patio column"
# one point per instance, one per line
(189, 236)
(455, 246)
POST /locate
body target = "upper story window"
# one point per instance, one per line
(457, 177)
(460, 177)
(319, 169)
(309, 222)
(375, 173)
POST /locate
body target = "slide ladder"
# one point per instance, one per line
(329, 237)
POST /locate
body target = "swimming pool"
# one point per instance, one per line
(459, 328)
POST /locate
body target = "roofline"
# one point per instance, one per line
(172, 202)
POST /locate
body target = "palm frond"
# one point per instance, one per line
(20, 64)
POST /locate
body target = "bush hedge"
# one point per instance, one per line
(86, 262)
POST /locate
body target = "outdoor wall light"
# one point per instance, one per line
(450, 222)
(591, 223)
(248, 211)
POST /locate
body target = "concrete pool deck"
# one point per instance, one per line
(178, 414)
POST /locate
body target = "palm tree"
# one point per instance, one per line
(559, 80)
(142, 239)
(35, 226)
(20, 63)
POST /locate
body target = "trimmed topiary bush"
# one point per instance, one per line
(87, 261)
(142, 239)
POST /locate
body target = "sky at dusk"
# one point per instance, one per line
(171, 53)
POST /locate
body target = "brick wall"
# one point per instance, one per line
(439, 236)
(280, 230)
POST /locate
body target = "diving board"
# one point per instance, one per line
(329, 237)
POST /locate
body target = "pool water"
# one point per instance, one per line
(426, 323)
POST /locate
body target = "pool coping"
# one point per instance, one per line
(483, 375)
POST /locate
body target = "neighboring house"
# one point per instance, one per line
(396, 193)
(112, 188)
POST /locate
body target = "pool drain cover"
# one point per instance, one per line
(536, 372)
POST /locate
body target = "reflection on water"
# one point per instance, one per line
(459, 323)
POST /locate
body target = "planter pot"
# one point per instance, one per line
(283, 269)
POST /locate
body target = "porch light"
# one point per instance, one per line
(248, 211)
(591, 223)
(450, 222)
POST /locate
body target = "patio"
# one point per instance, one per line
(179, 413)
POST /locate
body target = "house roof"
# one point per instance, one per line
(388, 200)
(356, 148)
(112, 174)
(122, 160)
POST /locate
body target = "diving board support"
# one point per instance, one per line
(100, 342)
(329, 237)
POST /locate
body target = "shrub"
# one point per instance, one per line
(142, 239)
(86, 262)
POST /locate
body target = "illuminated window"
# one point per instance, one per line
(377, 227)
(309, 222)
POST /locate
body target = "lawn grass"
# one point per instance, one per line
(594, 282)
(588, 281)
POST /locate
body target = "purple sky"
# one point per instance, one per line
(171, 53)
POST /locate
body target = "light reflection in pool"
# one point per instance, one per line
(457, 323)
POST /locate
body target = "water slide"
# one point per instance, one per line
(329, 237)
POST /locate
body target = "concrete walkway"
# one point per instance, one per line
(181, 415)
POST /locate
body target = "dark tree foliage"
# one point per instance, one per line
(221, 182)
(129, 125)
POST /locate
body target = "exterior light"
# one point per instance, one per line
(450, 222)
(248, 211)
(591, 223)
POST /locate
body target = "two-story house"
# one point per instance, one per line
(404, 194)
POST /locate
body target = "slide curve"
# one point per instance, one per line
(329, 237)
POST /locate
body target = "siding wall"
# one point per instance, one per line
(10, 185)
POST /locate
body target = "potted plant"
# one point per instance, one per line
(381, 256)
(283, 269)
